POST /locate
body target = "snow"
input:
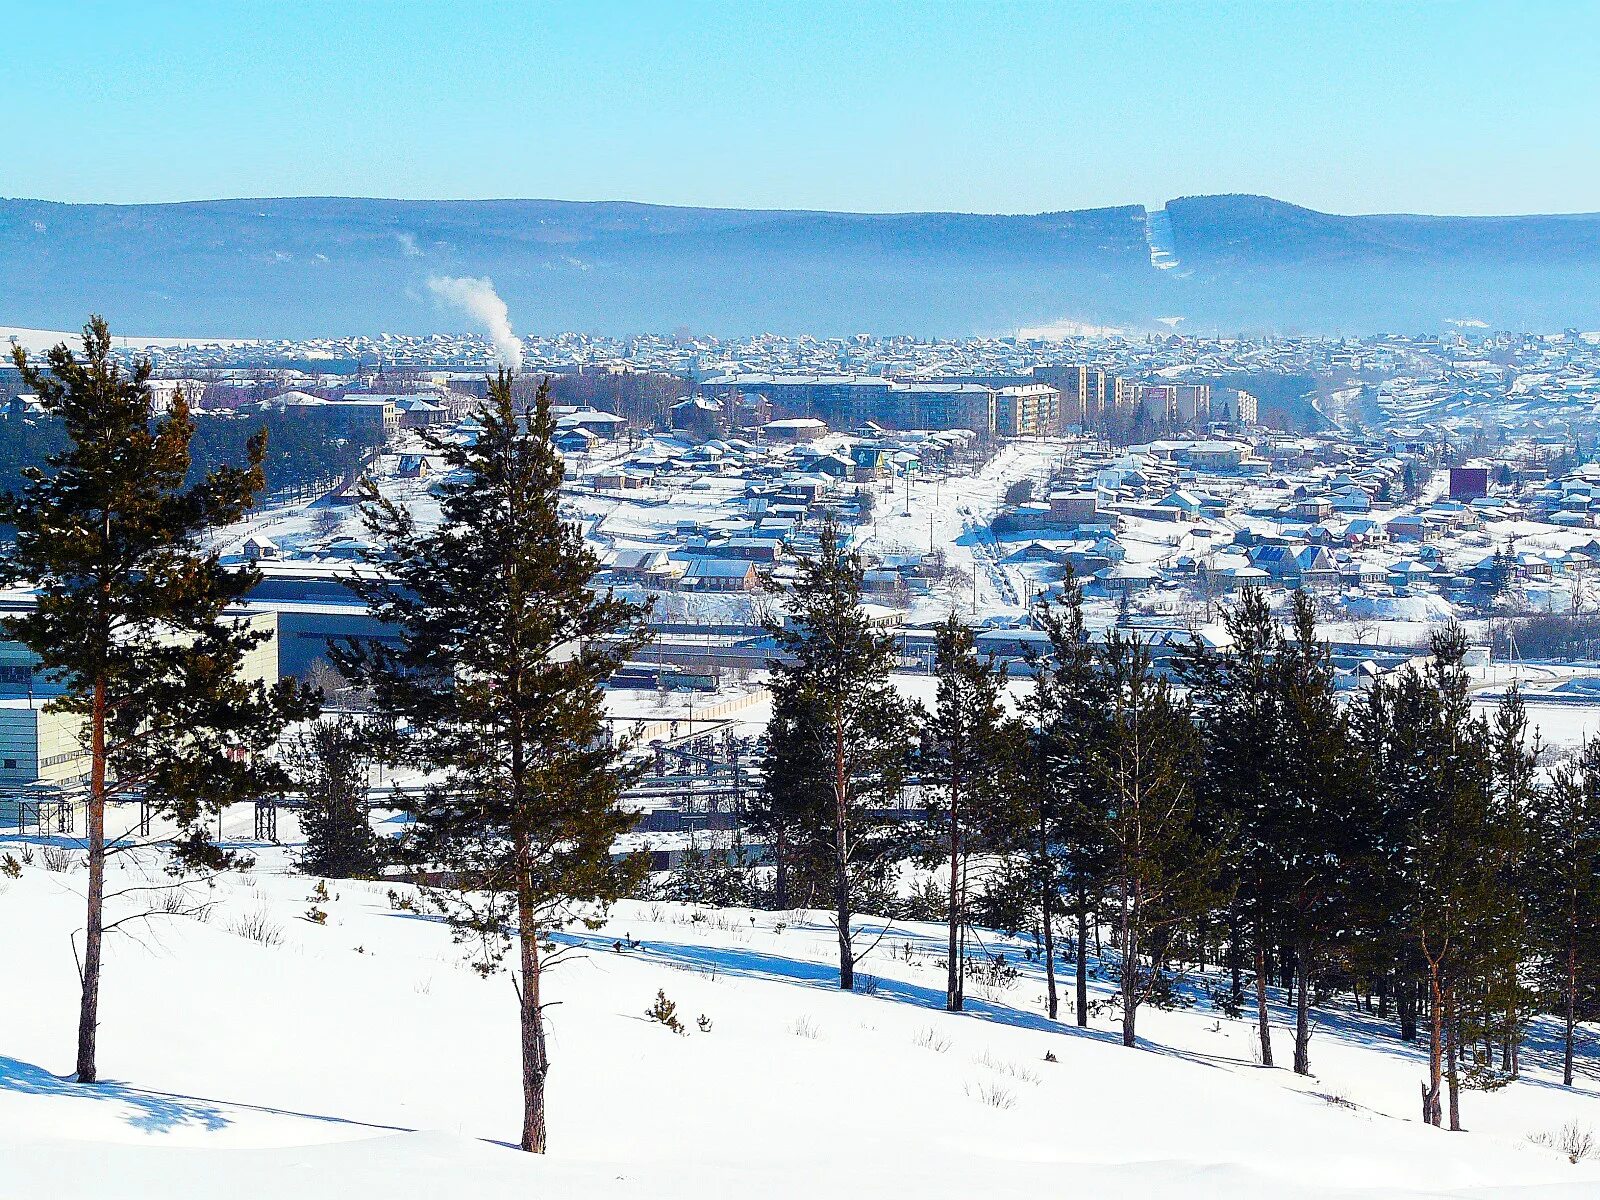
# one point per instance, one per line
(362, 1058)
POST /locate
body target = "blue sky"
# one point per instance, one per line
(989, 107)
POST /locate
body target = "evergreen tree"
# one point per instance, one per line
(1063, 796)
(1568, 911)
(790, 811)
(836, 666)
(1444, 850)
(1237, 704)
(131, 619)
(964, 751)
(1163, 864)
(1316, 838)
(502, 647)
(1516, 800)
(329, 763)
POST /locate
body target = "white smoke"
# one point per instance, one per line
(478, 299)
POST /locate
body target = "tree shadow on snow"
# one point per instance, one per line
(755, 964)
(153, 1112)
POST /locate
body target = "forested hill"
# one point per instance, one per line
(321, 266)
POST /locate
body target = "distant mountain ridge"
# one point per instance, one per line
(322, 266)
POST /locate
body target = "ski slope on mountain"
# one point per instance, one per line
(362, 1057)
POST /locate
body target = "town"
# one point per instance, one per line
(646, 601)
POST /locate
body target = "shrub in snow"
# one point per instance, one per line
(804, 1027)
(59, 859)
(931, 1039)
(1573, 1140)
(665, 1012)
(258, 927)
(991, 1094)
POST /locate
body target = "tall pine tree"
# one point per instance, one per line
(1568, 894)
(131, 619)
(1163, 867)
(502, 647)
(964, 754)
(1066, 800)
(835, 668)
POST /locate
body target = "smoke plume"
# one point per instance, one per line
(478, 299)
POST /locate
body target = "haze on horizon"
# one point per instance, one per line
(1459, 109)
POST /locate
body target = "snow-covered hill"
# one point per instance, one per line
(360, 1058)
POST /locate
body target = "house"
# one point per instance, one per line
(1408, 527)
(697, 416)
(1364, 532)
(754, 549)
(1351, 500)
(1185, 502)
(603, 425)
(720, 575)
(1126, 578)
(1074, 508)
(794, 429)
(1407, 572)
(416, 412)
(1315, 567)
(412, 466)
(640, 566)
(257, 548)
(574, 440)
(1312, 508)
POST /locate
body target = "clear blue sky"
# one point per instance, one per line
(983, 106)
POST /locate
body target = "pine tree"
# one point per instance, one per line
(329, 761)
(964, 755)
(836, 667)
(1064, 800)
(1443, 845)
(1516, 799)
(131, 619)
(1163, 864)
(790, 811)
(1315, 839)
(1568, 894)
(502, 648)
(1238, 707)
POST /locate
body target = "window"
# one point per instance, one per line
(11, 764)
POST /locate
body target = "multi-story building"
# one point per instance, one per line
(1088, 394)
(1156, 403)
(1027, 410)
(1232, 406)
(1192, 403)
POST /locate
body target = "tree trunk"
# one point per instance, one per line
(1131, 901)
(1234, 966)
(535, 1061)
(1405, 1003)
(94, 915)
(1430, 1094)
(953, 985)
(1452, 1033)
(1263, 1025)
(841, 861)
(1082, 955)
(1571, 1018)
(1302, 1014)
(781, 882)
(1046, 919)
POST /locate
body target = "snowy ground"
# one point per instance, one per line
(360, 1058)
